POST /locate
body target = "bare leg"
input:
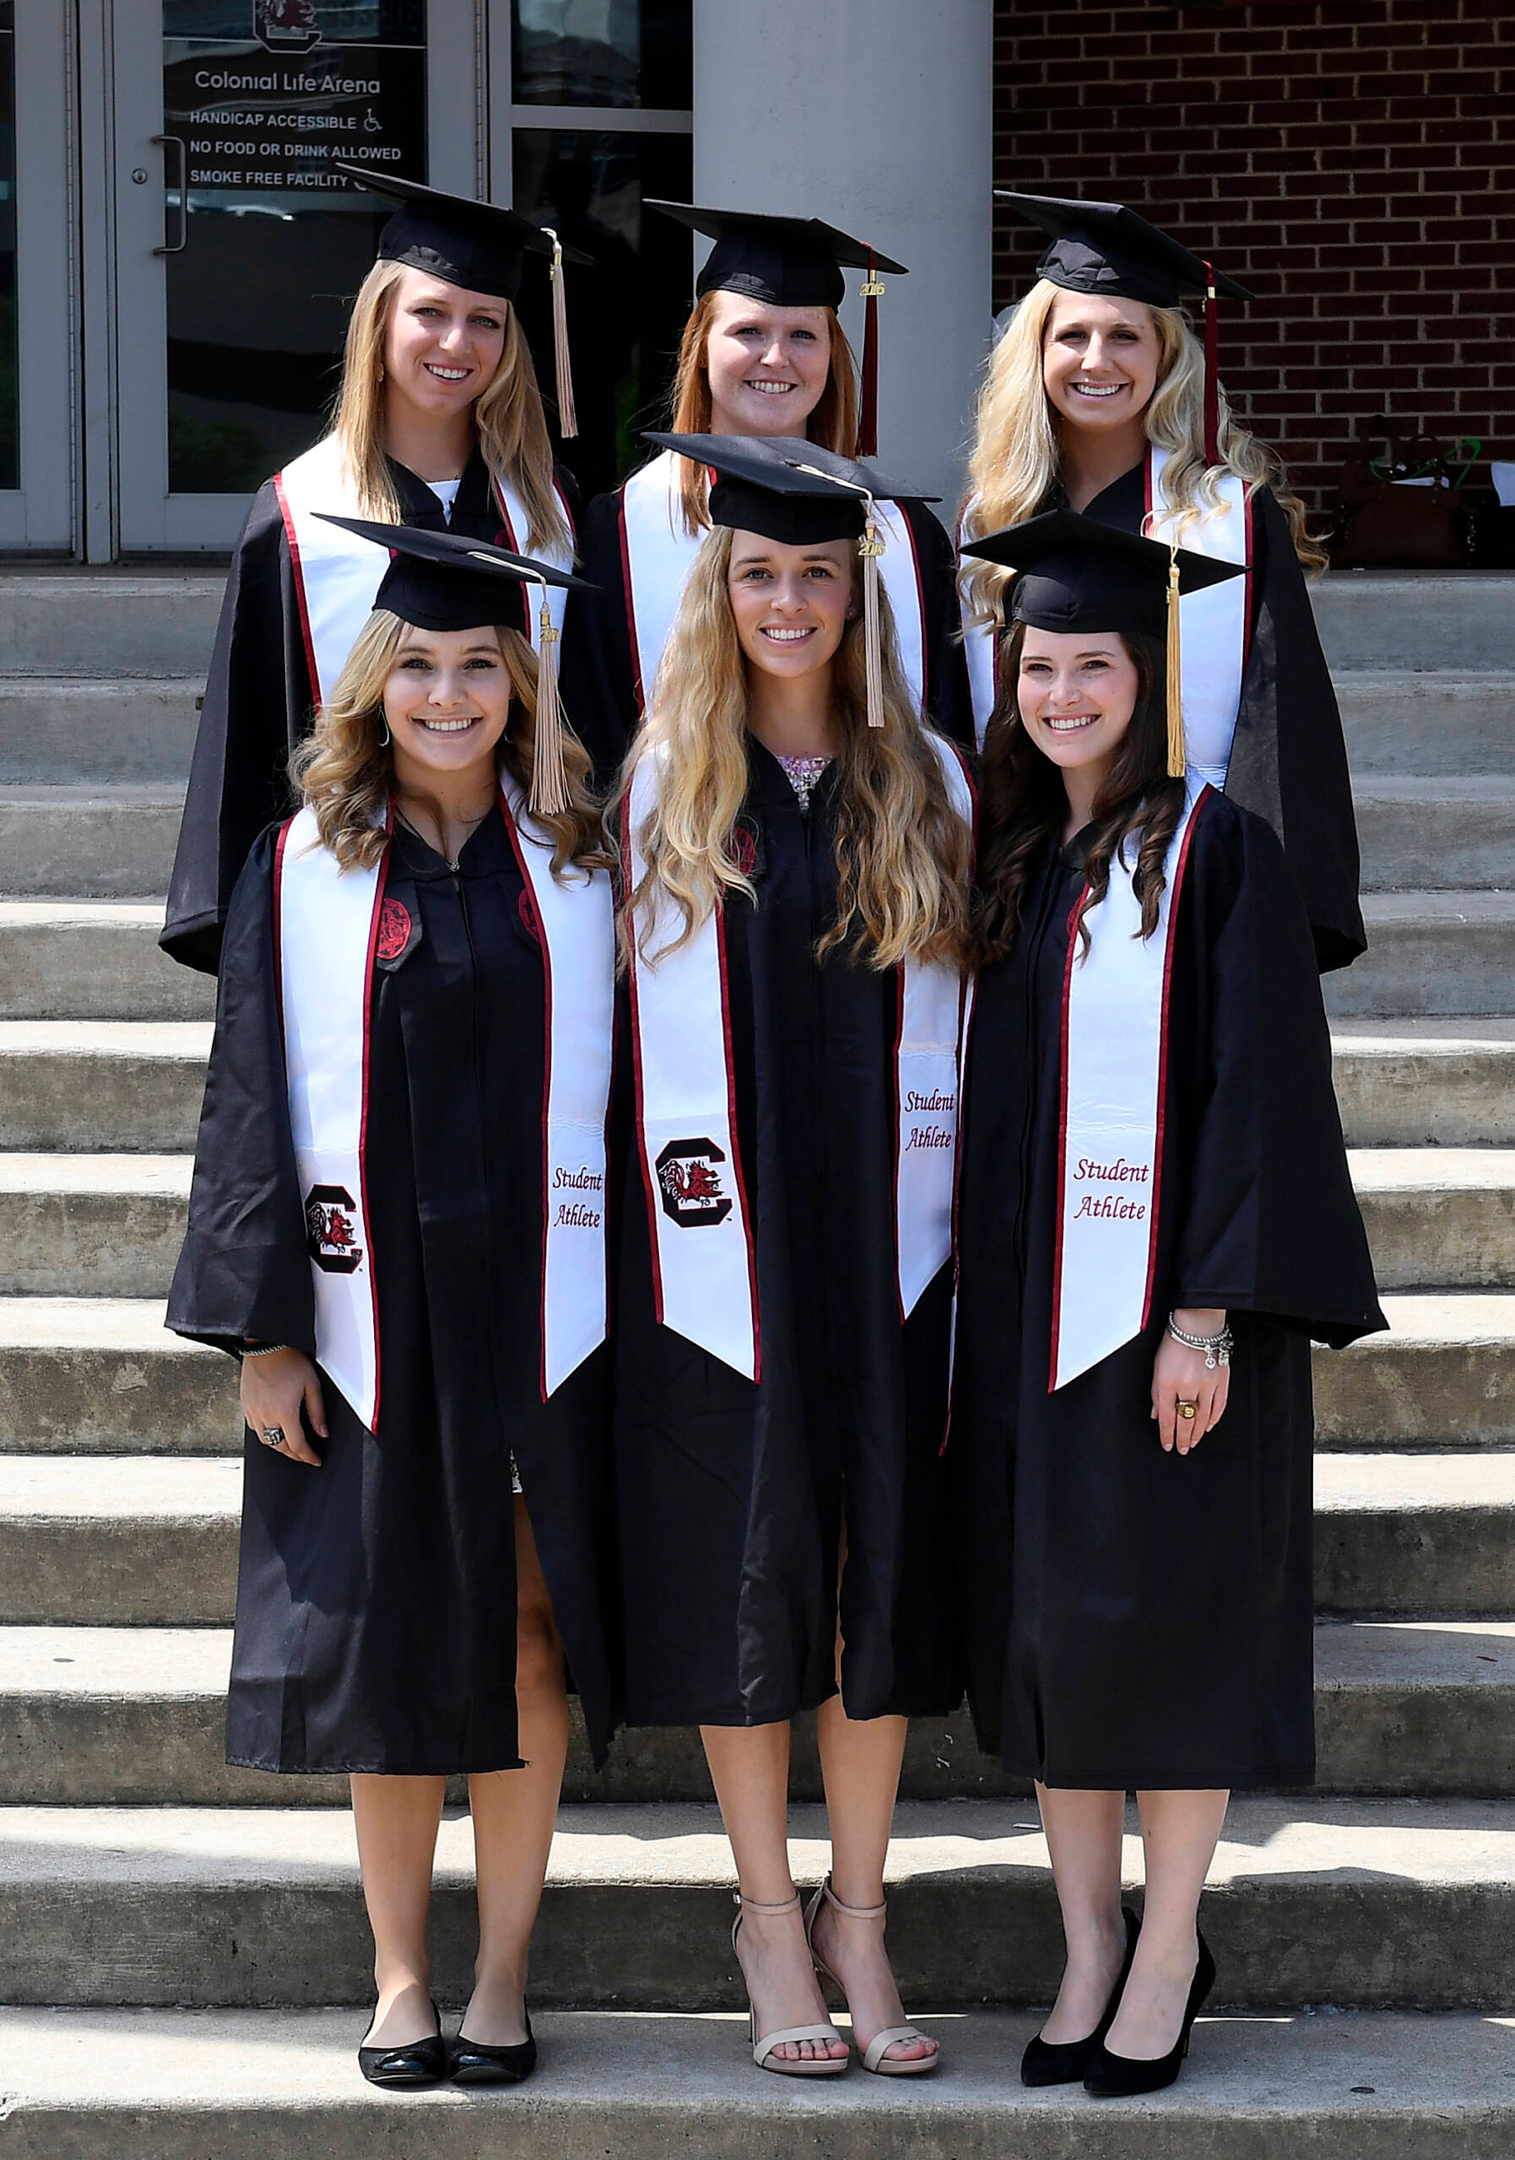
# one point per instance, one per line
(750, 1768)
(1084, 1838)
(860, 1763)
(1179, 1835)
(396, 1820)
(514, 1811)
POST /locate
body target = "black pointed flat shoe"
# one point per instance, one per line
(470, 2062)
(1118, 2077)
(1063, 2062)
(409, 2066)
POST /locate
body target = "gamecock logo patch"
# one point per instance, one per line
(330, 1231)
(394, 930)
(689, 1183)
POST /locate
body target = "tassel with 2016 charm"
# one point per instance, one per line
(1177, 761)
(870, 548)
(568, 420)
(548, 796)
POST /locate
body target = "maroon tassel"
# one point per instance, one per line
(867, 420)
(1212, 371)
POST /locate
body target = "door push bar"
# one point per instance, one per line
(170, 143)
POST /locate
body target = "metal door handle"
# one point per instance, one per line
(176, 142)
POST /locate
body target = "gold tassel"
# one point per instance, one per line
(1176, 759)
(549, 775)
(871, 547)
(568, 419)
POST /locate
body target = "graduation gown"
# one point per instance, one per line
(600, 687)
(1135, 1618)
(259, 699)
(731, 1493)
(376, 1599)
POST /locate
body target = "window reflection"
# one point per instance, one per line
(626, 314)
(602, 52)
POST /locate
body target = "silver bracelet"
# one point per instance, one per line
(1217, 1348)
(268, 1349)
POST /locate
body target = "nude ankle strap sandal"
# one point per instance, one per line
(875, 2056)
(762, 2049)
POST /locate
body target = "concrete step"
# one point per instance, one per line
(91, 1225)
(1430, 952)
(93, 960)
(95, 623)
(1443, 1376)
(1421, 1082)
(104, 844)
(1415, 618)
(1436, 1217)
(117, 1085)
(152, 1541)
(98, 1716)
(103, 1374)
(97, 731)
(1399, 722)
(1432, 834)
(1375, 1904)
(248, 2084)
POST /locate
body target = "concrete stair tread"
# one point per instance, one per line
(91, 794)
(1463, 1317)
(641, 2085)
(1390, 910)
(177, 1040)
(82, 914)
(1359, 1483)
(1434, 1033)
(85, 1323)
(128, 1175)
(1411, 1654)
(1431, 1169)
(626, 1843)
(15, 685)
(1436, 787)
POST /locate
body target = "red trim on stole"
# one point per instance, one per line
(514, 545)
(1062, 1136)
(1179, 869)
(965, 1051)
(1147, 492)
(636, 1068)
(631, 613)
(1250, 583)
(520, 855)
(373, 1266)
(736, 1150)
(294, 558)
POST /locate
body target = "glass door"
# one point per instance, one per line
(239, 250)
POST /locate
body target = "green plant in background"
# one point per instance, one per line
(215, 457)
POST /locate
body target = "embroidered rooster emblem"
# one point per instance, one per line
(331, 1231)
(689, 1184)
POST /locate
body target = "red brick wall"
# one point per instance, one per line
(1352, 162)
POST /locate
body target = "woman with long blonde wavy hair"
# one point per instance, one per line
(397, 1223)
(762, 354)
(1099, 398)
(796, 863)
(437, 423)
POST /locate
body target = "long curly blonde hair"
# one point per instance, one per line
(833, 423)
(345, 768)
(507, 418)
(904, 854)
(1016, 450)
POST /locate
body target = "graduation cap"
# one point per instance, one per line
(793, 262)
(477, 245)
(800, 495)
(445, 581)
(1073, 573)
(1106, 249)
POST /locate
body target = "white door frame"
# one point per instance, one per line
(39, 515)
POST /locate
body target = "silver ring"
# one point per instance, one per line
(273, 1436)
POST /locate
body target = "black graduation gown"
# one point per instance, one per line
(1289, 756)
(258, 702)
(731, 1494)
(599, 682)
(376, 1597)
(1135, 1618)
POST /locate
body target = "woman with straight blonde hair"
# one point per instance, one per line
(796, 860)
(397, 1223)
(438, 424)
(763, 354)
(1101, 399)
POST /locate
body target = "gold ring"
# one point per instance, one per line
(1188, 1409)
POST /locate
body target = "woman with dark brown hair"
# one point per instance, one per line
(1155, 1218)
(763, 353)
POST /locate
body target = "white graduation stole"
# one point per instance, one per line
(704, 1261)
(337, 575)
(980, 649)
(329, 925)
(657, 552)
(1114, 1073)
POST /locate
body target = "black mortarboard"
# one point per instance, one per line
(1104, 248)
(792, 262)
(1073, 573)
(445, 581)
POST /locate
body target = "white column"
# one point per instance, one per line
(877, 116)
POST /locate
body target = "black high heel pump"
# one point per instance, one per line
(1063, 2062)
(1117, 2077)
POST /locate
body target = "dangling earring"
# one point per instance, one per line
(381, 371)
(386, 738)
